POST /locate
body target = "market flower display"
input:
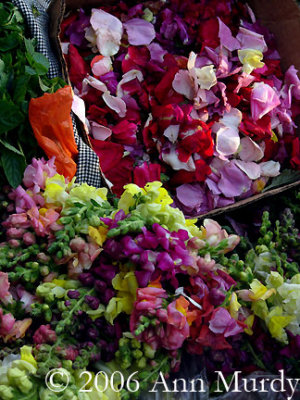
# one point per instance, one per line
(130, 285)
(187, 93)
(188, 110)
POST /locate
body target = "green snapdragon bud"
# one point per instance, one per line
(135, 344)
(45, 290)
(6, 393)
(148, 351)
(46, 394)
(142, 363)
(94, 220)
(123, 342)
(65, 220)
(48, 315)
(18, 378)
(70, 395)
(137, 354)
(71, 231)
(44, 270)
(72, 284)
(67, 364)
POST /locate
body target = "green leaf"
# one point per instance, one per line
(43, 87)
(29, 70)
(3, 76)
(9, 42)
(11, 148)
(14, 166)
(36, 60)
(286, 177)
(10, 16)
(10, 116)
(7, 59)
(20, 88)
(29, 44)
(41, 63)
(4, 16)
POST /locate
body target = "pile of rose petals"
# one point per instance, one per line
(190, 93)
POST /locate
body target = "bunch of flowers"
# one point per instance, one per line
(84, 282)
(267, 275)
(190, 94)
(89, 283)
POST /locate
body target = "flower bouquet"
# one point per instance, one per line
(191, 94)
(100, 298)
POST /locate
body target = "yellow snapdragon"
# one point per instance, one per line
(251, 59)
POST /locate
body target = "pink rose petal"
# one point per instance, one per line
(102, 66)
(270, 168)
(250, 151)
(170, 157)
(100, 132)
(78, 108)
(172, 133)
(127, 77)
(115, 103)
(184, 84)
(291, 78)
(263, 100)
(251, 169)
(228, 140)
(95, 83)
(108, 30)
(244, 80)
(7, 322)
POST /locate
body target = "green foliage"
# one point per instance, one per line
(23, 75)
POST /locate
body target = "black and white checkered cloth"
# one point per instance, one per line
(87, 163)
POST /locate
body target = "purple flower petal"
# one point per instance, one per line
(191, 197)
(143, 278)
(139, 31)
(162, 235)
(165, 262)
(76, 30)
(157, 52)
(233, 181)
(226, 38)
(147, 239)
(130, 246)
(251, 40)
